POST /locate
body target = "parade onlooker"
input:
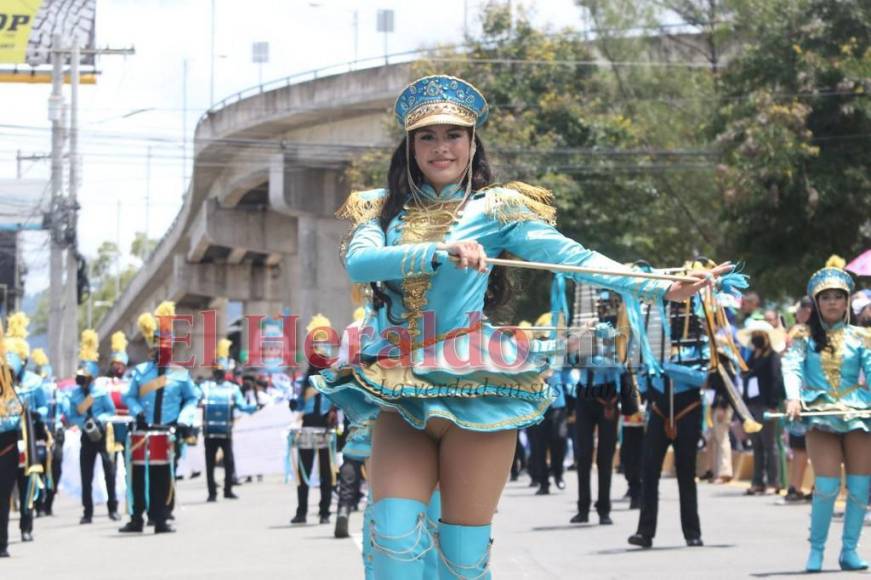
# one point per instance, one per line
(763, 391)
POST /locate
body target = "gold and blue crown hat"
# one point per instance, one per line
(833, 276)
(440, 100)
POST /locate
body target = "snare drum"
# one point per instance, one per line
(156, 445)
(311, 437)
(217, 420)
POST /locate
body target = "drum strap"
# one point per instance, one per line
(153, 385)
(85, 405)
(8, 448)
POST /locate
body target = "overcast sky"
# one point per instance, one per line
(302, 35)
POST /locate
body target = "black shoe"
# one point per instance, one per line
(543, 491)
(533, 483)
(641, 540)
(325, 519)
(605, 520)
(114, 516)
(513, 477)
(26, 537)
(4, 553)
(341, 530)
(695, 542)
(48, 511)
(131, 527)
(150, 523)
(560, 484)
(163, 528)
(298, 519)
(85, 520)
(230, 495)
(635, 503)
(196, 474)
(212, 498)
(170, 518)
(580, 519)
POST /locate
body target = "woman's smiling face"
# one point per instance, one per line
(442, 153)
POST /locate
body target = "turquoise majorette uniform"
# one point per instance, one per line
(488, 394)
(829, 381)
(458, 367)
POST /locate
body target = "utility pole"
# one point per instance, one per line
(58, 246)
(62, 218)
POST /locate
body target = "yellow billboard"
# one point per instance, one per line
(28, 26)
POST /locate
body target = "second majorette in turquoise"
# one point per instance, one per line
(438, 356)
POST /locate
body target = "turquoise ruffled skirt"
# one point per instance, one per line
(489, 412)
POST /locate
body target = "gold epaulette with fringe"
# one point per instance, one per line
(800, 331)
(517, 201)
(362, 206)
(864, 334)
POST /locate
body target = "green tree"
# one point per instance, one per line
(794, 133)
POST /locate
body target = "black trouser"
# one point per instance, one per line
(656, 442)
(307, 459)
(87, 458)
(631, 454)
(350, 480)
(25, 524)
(519, 462)
(225, 444)
(592, 415)
(159, 490)
(8, 475)
(550, 434)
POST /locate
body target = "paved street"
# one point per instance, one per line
(251, 538)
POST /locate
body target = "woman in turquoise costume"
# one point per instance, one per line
(821, 374)
(447, 391)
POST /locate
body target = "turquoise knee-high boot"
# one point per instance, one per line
(464, 552)
(825, 493)
(399, 539)
(368, 573)
(854, 517)
(433, 514)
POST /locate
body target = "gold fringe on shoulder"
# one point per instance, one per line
(357, 209)
(518, 201)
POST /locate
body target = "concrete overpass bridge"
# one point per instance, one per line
(257, 223)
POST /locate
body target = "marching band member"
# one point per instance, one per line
(161, 398)
(674, 418)
(549, 436)
(821, 374)
(117, 384)
(31, 396)
(10, 421)
(317, 411)
(91, 408)
(58, 408)
(442, 422)
(219, 398)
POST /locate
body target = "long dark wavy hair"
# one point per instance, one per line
(398, 189)
(818, 332)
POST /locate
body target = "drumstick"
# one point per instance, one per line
(581, 270)
(858, 413)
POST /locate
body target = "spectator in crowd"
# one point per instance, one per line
(763, 391)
